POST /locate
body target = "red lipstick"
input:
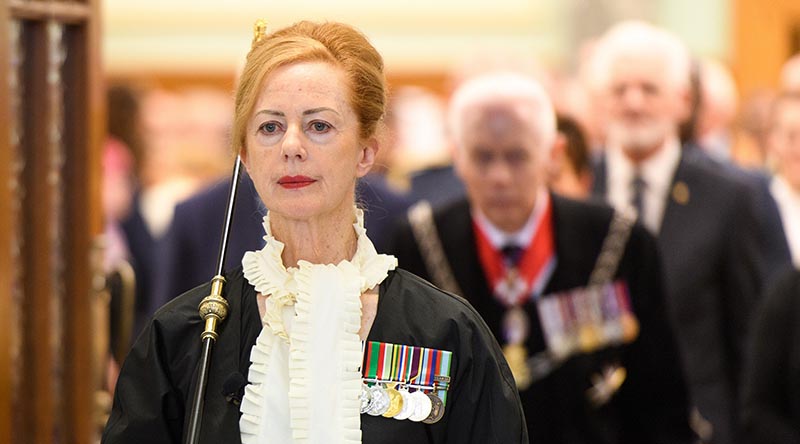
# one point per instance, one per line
(294, 182)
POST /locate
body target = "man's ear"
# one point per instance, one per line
(457, 154)
(367, 155)
(686, 100)
(556, 158)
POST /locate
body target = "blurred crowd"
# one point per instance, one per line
(721, 196)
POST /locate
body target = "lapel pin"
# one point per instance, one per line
(680, 193)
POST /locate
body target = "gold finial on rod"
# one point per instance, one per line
(213, 308)
(259, 31)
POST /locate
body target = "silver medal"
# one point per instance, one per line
(380, 401)
(422, 406)
(365, 398)
(408, 405)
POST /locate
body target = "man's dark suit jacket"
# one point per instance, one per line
(652, 405)
(439, 185)
(188, 252)
(713, 243)
(143, 253)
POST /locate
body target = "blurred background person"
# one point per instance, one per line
(790, 74)
(704, 216)
(187, 253)
(421, 156)
(184, 149)
(752, 130)
(570, 169)
(522, 257)
(718, 108)
(784, 149)
(119, 164)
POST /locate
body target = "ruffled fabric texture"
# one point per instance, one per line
(304, 377)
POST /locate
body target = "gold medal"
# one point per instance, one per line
(589, 337)
(395, 403)
(517, 357)
(408, 405)
(437, 410)
(630, 327)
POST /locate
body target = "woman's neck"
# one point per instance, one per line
(329, 239)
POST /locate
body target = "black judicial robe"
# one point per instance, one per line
(154, 390)
(652, 404)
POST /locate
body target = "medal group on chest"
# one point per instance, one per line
(581, 320)
(405, 382)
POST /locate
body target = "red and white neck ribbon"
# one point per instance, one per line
(514, 286)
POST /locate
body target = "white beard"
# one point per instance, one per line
(638, 138)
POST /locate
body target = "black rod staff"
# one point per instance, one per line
(213, 310)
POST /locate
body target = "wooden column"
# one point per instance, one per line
(7, 228)
(50, 220)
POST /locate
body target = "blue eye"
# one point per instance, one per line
(268, 127)
(320, 127)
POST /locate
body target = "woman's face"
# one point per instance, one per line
(302, 148)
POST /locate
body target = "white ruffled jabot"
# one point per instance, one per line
(304, 377)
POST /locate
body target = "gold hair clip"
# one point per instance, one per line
(259, 31)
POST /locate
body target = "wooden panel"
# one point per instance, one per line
(63, 12)
(38, 383)
(8, 229)
(83, 130)
(762, 41)
(49, 218)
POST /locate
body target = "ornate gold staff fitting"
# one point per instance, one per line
(213, 308)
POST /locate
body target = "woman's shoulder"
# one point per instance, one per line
(413, 307)
(182, 313)
(417, 291)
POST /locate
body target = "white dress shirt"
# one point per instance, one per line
(521, 238)
(657, 172)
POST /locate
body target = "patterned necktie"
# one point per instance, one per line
(638, 186)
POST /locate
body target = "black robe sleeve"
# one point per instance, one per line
(485, 406)
(156, 382)
(149, 403)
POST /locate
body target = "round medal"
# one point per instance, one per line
(365, 398)
(422, 406)
(630, 327)
(589, 338)
(395, 403)
(437, 410)
(515, 326)
(560, 346)
(408, 405)
(380, 401)
(517, 359)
